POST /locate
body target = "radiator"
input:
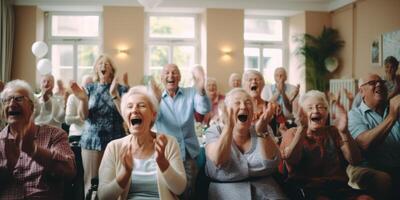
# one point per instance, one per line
(336, 86)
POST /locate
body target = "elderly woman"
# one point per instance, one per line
(315, 155)
(142, 165)
(392, 79)
(99, 107)
(240, 161)
(235, 80)
(215, 98)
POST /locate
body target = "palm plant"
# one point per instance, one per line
(315, 50)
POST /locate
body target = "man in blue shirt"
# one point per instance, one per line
(176, 115)
(375, 126)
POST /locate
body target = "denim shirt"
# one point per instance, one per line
(386, 154)
(176, 117)
(104, 123)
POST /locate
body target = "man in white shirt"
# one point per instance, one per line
(49, 108)
(282, 93)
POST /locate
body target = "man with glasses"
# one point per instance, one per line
(375, 126)
(34, 159)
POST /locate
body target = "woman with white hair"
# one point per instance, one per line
(241, 161)
(315, 155)
(143, 164)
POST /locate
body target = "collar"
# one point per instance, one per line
(165, 93)
(364, 108)
(4, 132)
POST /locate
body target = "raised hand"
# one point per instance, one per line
(228, 117)
(78, 91)
(341, 118)
(160, 142)
(114, 87)
(12, 152)
(301, 119)
(127, 158)
(269, 111)
(394, 106)
(155, 88)
(125, 79)
(28, 139)
(199, 79)
(295, 93)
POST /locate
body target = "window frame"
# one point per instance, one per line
(283, 45)
(75, 41)
(171, 42)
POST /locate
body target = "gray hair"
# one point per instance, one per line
(107, 58)
(230, 94)
(142, 90)
(211, 79)
(248, 72)
(18, 84)
(313, 94)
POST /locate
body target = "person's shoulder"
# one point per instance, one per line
(51, 130)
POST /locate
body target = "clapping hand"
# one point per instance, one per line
(160, 142)
(127, 158)
(78, 91)
(199, 79)
(341, 117)
(114, 87)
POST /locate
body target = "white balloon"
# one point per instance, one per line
(44, 66)
(39, 49)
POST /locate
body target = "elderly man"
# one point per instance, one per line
(50, 109)
(34, 159)
(176, 115)
(282, 93)
(375, 126)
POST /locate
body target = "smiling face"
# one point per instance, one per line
(211, 88)
(373, 90)
(253, 84)
(17, 107)
(235, 81)
(171, 77)
(242, 106)
(47, 82)
(316, 112)
(138, 114)
(104, 70)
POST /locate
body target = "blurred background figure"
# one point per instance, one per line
(50, 108)
(391, 77)
(215, 98)
(235, 80)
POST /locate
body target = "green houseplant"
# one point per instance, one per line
(315, 50)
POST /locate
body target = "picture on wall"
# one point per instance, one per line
(391, 44)
(376, 52)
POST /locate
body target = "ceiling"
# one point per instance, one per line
(279, 7)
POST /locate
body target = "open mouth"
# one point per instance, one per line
(14, 113)
(316, 119)
(103, 72)
(136, 121)
(170, 81)
(242, 118)
(253, 88)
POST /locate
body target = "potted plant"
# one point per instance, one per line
(319, 52)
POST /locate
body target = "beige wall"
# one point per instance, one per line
(370, 18)
(296, 70)
(124, 28)
(224, 29)
(342, 20)
(26, 32)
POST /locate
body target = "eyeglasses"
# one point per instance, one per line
(18, 99)
(374, 82)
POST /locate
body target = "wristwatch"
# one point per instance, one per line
(262, 135)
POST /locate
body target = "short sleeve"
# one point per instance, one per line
(356, 123)
(266, 93)
(212, 134)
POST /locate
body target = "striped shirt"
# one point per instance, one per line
(29, 179)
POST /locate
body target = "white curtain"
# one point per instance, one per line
(6, 38)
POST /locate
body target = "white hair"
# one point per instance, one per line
(230, 94)
(313, 94)
(248, 72)
(18, 84)
(142, 90)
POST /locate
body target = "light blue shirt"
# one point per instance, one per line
(176, 117)
(386, 154)
(269, 91)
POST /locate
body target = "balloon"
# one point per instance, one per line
(331, 64)
(44, 66)
(39, 49)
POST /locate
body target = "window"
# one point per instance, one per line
(264, 45)
(74, 43)
(172, 39)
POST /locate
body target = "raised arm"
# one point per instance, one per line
(369, 138)
(219, 151)
(83, 109)
(262, 124)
